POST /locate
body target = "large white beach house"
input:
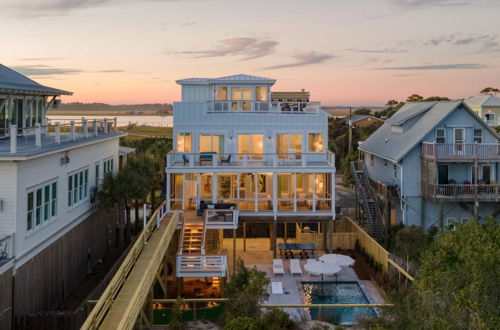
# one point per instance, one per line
(50, 232)
(258, 154)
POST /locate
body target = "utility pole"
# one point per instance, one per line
(349, 153)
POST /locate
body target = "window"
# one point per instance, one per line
(211, 143)
(184, 142)
(250, 144)
(221, 93)
(372, 161)
(261, 94)
(450, 223)
(385, 164)
(490, 118)
(478, 135)
(108, 166)
(243, 98)
(394, 171)
(97, 174)
(315, 142)
(289, 143)
(42, 205)
(440, 135)
(78, 186)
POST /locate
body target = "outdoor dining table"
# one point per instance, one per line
(302, 247)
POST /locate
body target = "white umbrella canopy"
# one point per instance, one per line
(337, 259)
(322, 268)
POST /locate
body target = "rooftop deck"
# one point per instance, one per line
(28, 142)
(252, 106)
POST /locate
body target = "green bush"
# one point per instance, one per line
(242, 323)
(276, 319)
(176, 316)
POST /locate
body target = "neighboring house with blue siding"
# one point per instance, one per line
(434, 163)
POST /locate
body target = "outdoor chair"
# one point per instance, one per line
(278, 267)
(226, 161)
(277, 287)
(185, 159)
(295, 267)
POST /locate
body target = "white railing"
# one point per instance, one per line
(461, 150)
(467, 192)
(221, 219)
(201, 265)
(252, 106)
(493, 123)
(6, 244)
(314, 159)
(22, 139)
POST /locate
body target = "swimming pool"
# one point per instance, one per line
(336, 293)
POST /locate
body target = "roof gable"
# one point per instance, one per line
(12, 81)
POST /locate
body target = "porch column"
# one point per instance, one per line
(85, 128)
(58, 133)
(330, 236)
(38, 135)
(72, 130)
(332, 195)
(275, 193)
(214, 187)
(234, 251)
(94, 127)
(105, 125)
(13, 139)
(294, 178)
(275, 229)
(244, 237)
(167, 190)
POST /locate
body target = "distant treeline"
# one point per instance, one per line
(103, 107)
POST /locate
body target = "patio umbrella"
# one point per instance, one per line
(322, 268)
(337, 259)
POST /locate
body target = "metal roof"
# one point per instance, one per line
(233, 78)
(392, 145)
(13, 82)
(483, 100)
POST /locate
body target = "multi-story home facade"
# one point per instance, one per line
(487, 107)
(433, 164)
(234, 145)
(50, 233)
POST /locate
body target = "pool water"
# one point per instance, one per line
(336, 293)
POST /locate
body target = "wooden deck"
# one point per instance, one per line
(127, 306)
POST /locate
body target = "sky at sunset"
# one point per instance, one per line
(345, 52)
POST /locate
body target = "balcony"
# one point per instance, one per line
(221, 218)
(207, 160)
(201, 265)
(451, 152)
(465, 192)
(492, 122)
(263, 107)
(43, 138)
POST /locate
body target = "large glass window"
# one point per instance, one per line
(221, 93)
(78, 187)
(261, 93)
(184, 142)
(206, 186)
(226, 186)
(242, 98)
(289, 143)
(315, 142)
(211, 143)
(251, 144)
(41, 206)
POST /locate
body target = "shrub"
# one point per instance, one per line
(176, 316)
(276, 319)
(242, 323)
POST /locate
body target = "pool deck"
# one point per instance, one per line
(263, 259)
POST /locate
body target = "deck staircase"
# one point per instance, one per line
(367, 200)
(192, 261)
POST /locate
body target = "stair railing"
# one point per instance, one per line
(357, 166)
(373, 196)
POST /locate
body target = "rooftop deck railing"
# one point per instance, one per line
(492, 122)
(466, 192)
(252, 106)
(24, 139)
(264, 160)
(461, 151)
(5, 247)
(221, 218)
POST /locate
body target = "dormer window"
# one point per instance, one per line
(440, 135)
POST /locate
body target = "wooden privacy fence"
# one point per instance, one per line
(341, 240)
(98, 313)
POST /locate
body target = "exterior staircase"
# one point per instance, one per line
(192, 240)
(367, 200)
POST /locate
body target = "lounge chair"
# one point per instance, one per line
(278, 267)
(227, 160)
(295, 267)
(277, 287)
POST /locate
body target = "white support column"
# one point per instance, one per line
(115, 125)
(183, 191)
(215, 159)
(85, 128)
(245, 161)
(294, 178)
(275, 193)
(256, 189)
(58, 132)
(191, 160)
(238, 177)
(332, 193)
(72, 129)
(94, 127)
(214, 187)
(13, 139)
(314, 193)
(105, 125)
(38, 135)
(167, 189)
